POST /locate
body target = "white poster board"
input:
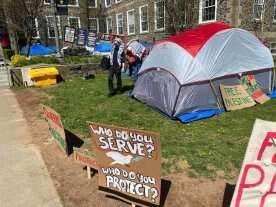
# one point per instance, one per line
(256, 186)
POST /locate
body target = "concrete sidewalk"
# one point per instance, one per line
(24, 179)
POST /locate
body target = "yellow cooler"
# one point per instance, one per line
(43, 76)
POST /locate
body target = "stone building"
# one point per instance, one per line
(85, 14)
(144, 19)
(148, 19)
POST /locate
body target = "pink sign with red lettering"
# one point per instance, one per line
(256, 186)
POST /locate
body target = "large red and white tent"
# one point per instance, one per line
(175, 77)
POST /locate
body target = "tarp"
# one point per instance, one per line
(37, 49)
(198, 115)
(103, 47)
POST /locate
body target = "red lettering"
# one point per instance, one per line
(257, 94)
(267, 143)
(243, 183)
(85, 160)
(53, 117)
(271, 191)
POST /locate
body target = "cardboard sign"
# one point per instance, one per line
(56, 128)
(253, 89)
(85, 157)
(81, 37)
(129, 163)
(235, 97)
(91, 39)
(256, 186)
(69, 34)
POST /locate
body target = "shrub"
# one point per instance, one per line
(43, 59)
(18, 60)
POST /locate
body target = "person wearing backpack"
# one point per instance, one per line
(117, 59)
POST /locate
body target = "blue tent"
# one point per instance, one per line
(103, 47)
(37, 49)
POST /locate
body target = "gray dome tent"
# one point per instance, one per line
(182, 74)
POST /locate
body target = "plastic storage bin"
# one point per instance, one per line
(43, 76)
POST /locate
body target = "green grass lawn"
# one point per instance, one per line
(201, 148)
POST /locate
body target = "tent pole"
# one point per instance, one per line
(176, 99)
(273, 80)
(214, 91)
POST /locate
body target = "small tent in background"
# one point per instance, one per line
(182, 74)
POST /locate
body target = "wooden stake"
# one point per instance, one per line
(216, 94)
(88, 172)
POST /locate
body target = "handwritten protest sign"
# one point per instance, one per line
(69, 34)
(128, 162)
(256, 186)
(253, 89)
(235, 97)
(81, 37)
(91, 39)
(85, 157)
(56, 128)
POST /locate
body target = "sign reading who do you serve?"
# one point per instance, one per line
(128, 162)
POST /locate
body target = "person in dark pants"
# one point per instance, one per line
(116, 62)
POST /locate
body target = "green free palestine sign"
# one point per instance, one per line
(55, 126)
(235, 97)
(60, 140)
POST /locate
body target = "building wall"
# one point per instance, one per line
(264, 28)
(127, 5)
(81, 11)
(238, 13)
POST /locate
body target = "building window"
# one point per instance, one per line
(47, 2)
(274, 11)
(109, 25)
(36, 30)
(107, 3)
(120, 24)
(159, 15)
(51, 26)
(74, 22)
(144, 22)
(131, 22)
(258, 6)
(207, 11)
(92, 3)
(273, 48)
(73, 3)
(93, 25)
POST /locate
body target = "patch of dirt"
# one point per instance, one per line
(70, 178)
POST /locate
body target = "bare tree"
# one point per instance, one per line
(180, 14)
(21, 17)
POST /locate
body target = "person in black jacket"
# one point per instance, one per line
(116, 62)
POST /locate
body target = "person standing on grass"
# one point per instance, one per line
(135, 53)
(117, 59)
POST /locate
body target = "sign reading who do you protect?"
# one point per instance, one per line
(128, 162)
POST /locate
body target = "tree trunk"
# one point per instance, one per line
(28, 46)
